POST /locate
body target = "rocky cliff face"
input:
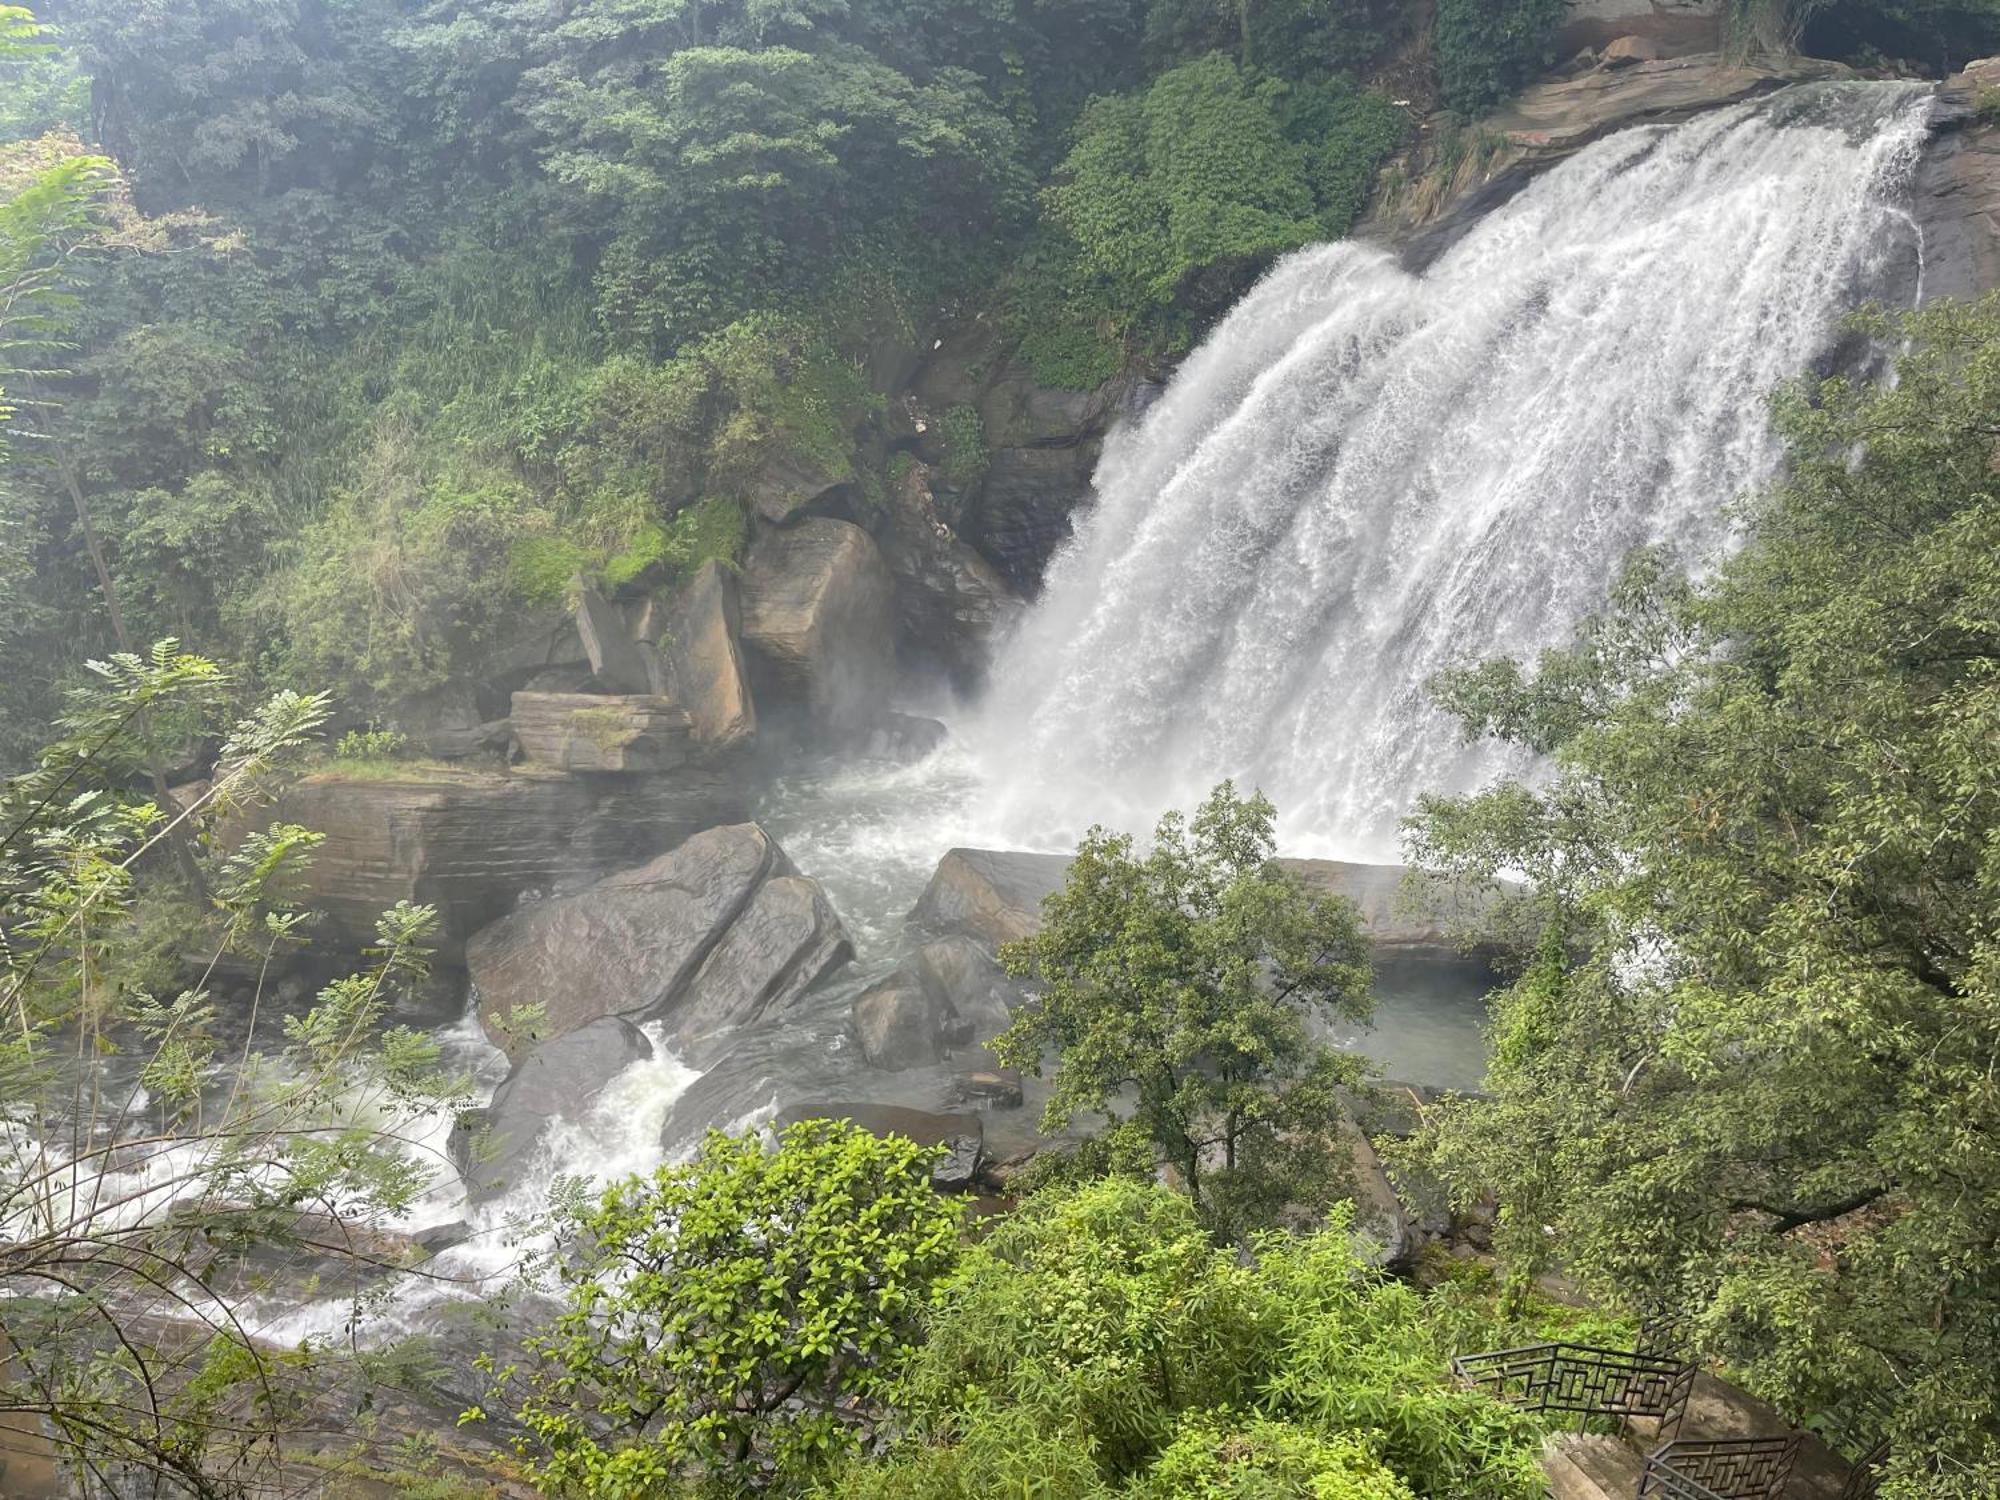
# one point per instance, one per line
(1957, 199)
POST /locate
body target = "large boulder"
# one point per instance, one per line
(662, 942)
(591, 732)
(993, 895)
(556, 1079)
(818, 621)
(473, 842)
(617, 660)
(900, 1024)
(787, 486)
(962, 1137)
(698, 634)
(976, 994)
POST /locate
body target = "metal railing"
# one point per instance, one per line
(1583, 1379)
(1722, 1469)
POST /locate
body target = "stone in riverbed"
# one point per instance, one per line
(556, 1079)
(715, 933)
(589, 732)
(818, 622)
(993, 895)
(899, 1024)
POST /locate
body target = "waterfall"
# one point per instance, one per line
(1366, 475)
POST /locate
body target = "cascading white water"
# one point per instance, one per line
(1365, 475)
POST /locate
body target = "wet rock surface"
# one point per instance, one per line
(716, 933)
(556, 1079)
(1956, 196)
(818, 622)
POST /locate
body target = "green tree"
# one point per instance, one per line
(736, 1322)
(146, 1155)
(1487, 50)
(1097, 1343)
(1177, 196)
(1749, 1067)
(1177, 992)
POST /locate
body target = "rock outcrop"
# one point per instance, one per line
(951, 603)
(617, 661)
(818, 622)
(1675, 28)
(590, 732)
(556, 1079)
(717, 933)
(1547, 124)
(698, 634)
(993, 895)
(1956, 196)
(472, 842)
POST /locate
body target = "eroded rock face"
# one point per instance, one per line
(617, 660)
(1956, 195)
(556, 1079)
(471, 843)
(593, 732)
(818, 621)
(698, 633)
(951, 603)
(1674, 27)
(787, 486)
(713, 934)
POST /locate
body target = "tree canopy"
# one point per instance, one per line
(1748, 1069)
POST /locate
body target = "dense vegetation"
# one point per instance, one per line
(1749, 1067)
(402, 314)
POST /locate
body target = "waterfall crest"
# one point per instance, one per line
(1365, 475)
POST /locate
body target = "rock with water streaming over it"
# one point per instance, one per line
(718, 932)
(554, 1079)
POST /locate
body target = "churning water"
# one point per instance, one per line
(1365, 475)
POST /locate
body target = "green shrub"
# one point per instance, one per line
(964, 435)
(1488, 49)
(372, 743)
(1176, 197)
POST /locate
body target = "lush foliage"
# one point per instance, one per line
(1176, 992)
(1175, 196)
(1487, 49)
(1749, 1068)
(737, 1321)
(144, 1154)
(1097, 1343)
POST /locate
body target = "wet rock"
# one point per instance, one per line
(717, 932)
(961, 1136)
(783, 943)
(900, 1024)
(556, 1079)
(951, 603)
(616, 660)
(1395, 925)
(1023, 510)
(589, 732)
(977, 995)
(903, 737)
(698, 633)
(1956, 195)
(988, 1088)
(818, 622)
(472, 842)
(992, 895)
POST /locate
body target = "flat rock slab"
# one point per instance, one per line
(590, 732)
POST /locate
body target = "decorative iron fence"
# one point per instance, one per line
(1722, 1469)
(1583, 1379)
(1864, 1478)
